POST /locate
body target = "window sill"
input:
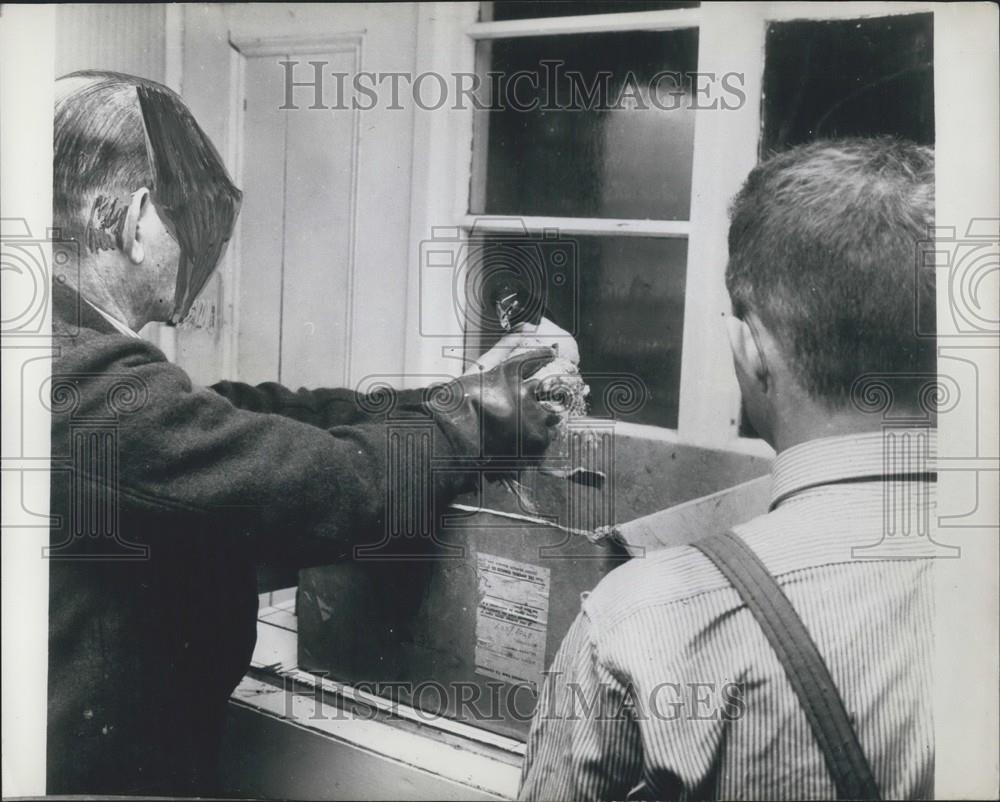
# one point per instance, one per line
(489, 766)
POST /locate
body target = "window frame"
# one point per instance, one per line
(731, 37)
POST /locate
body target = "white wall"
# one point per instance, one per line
(26, 50)
(127, 37)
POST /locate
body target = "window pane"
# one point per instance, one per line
(621, 297)
(602, 136)
(849, 78)
(526, 9)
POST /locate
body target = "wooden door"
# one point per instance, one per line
(298, 260)
(314, 290)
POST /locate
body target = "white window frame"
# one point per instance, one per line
(731, 38)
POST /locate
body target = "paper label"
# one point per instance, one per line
(512, 619)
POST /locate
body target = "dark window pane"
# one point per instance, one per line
(525, 9)
(849, 78)
(864, 77)
(624, 152)
(621, 297)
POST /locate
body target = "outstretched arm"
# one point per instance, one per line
(264, 476)
(320, 407)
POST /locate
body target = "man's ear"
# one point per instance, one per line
(138, 207)
(746, 351)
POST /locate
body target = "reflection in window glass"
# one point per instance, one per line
(598, 125)
(529, 9)
(621, 297)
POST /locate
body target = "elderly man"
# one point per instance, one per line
(165, 495)
(672, 682)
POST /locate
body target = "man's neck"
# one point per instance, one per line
(815, 423)
(109, 297)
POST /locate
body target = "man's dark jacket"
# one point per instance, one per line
(164, 498)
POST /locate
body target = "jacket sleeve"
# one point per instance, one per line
(321, 407)
(190, 450)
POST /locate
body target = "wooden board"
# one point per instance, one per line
(687, 522)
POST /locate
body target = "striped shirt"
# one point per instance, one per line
(665, 686)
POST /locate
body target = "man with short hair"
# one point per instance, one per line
(165, 495)
(829, 291)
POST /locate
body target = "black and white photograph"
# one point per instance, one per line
(530, 399)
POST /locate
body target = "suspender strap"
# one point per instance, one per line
(803, 664)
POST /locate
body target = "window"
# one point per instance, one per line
(591, 151)
(621, 297)
(527, 9)
(849, 78)
(592, 148)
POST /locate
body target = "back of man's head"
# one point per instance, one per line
(115, 134)
(99, 146)
(826, 249)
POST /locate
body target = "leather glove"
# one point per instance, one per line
(493, 416)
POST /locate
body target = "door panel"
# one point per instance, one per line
(319, 239)
(314, 291)
(297, 254)
(262, 243)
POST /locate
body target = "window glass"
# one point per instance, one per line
(598, 125)
(621, 297)
(849, 78)
(526, 9)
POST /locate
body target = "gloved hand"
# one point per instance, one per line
(493, 415)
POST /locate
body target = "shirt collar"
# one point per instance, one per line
(891, 453)
(113, 321)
